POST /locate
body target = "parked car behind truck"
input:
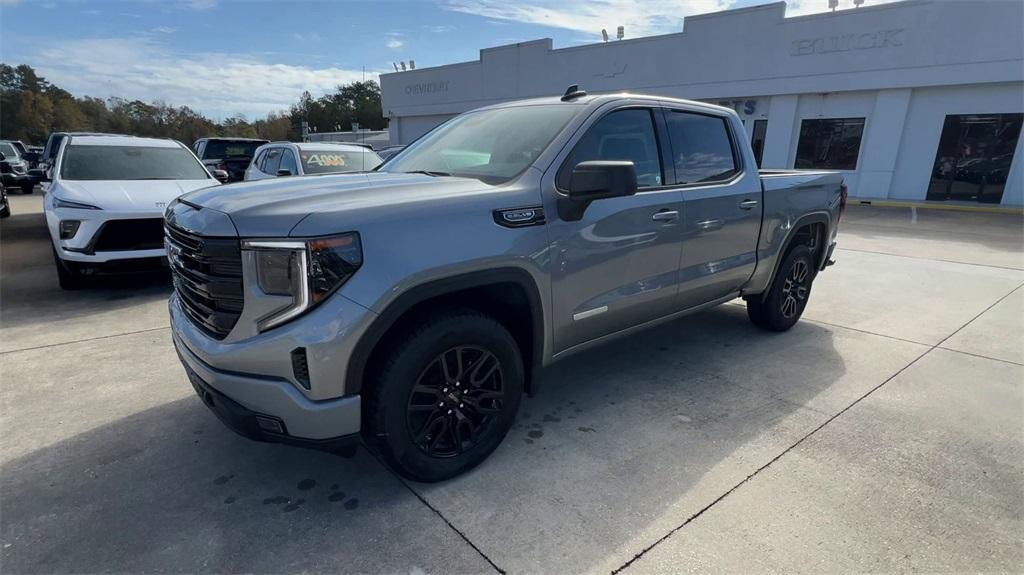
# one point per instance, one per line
(411, 307)
(232, 155)
(309, 158)
(106, 198)
(14, 169)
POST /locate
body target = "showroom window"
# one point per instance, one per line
(757, 140)
(829, 144)
(701, 148)
(974, 157)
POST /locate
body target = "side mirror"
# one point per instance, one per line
(38, 175)
(596, 180)
(221, 176)
(284, 172)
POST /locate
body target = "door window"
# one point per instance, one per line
(702, 150)
(272, 161)
(621, 135)
(288, 162)
(974, 157)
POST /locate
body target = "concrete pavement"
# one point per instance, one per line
(884, 432)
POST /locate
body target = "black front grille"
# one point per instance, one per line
(208, 278)
(121, 235)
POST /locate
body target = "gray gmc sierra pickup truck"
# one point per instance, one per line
(410, 307)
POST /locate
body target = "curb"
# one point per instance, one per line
(1011, 210)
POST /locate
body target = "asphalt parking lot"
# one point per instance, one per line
(884, 433)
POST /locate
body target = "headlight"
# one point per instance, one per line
(59, 203)
(308, 271)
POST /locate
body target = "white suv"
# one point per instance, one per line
(309, 158)
(106, 197)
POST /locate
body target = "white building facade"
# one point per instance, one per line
(915, 100)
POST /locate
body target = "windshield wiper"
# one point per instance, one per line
(429, 173)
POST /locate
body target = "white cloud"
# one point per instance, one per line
(440, 29)
(640, 17)
(802, 7)
(307, 37)
(394, 43)
(218, 85)
(165, 30)
(199, 4)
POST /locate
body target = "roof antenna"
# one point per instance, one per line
(573, 92)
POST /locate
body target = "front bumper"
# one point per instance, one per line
(79, 248)
(13, 180)
(259, 427)
(251, 404)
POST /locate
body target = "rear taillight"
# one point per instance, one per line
(843, 193)
(222, 166)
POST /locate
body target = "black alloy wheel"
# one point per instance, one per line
(455, 401)
(795, 288)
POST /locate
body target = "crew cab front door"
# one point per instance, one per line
(618, 265)
(722, 208)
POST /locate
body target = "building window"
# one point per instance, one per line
(974, 157)
(757, 140)
(830, 144)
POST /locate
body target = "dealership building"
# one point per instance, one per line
(914, 100)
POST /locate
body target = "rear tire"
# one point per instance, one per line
(788, 294)
(27, 189)
(446, 395)
(68, 277)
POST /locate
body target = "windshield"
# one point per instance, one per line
(335, 161)
(8, 151)
(130, 163)
(491, 145)
(223, 149)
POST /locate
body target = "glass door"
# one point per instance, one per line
(974, 157)
(757, 139)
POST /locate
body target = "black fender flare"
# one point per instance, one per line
(355, 372)
(823, 218)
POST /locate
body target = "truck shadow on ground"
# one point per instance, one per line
(622, 443)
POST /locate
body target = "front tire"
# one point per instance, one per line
(446, 395)
(788, 294)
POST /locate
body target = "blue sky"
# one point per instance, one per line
(223, 57)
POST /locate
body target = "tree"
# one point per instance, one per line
(31, 107)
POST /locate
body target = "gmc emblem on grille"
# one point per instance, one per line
(173, 255)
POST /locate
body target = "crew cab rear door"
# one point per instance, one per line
(617, 266)
(721, 193)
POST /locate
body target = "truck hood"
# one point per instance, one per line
(274, 207)
(129, 195)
